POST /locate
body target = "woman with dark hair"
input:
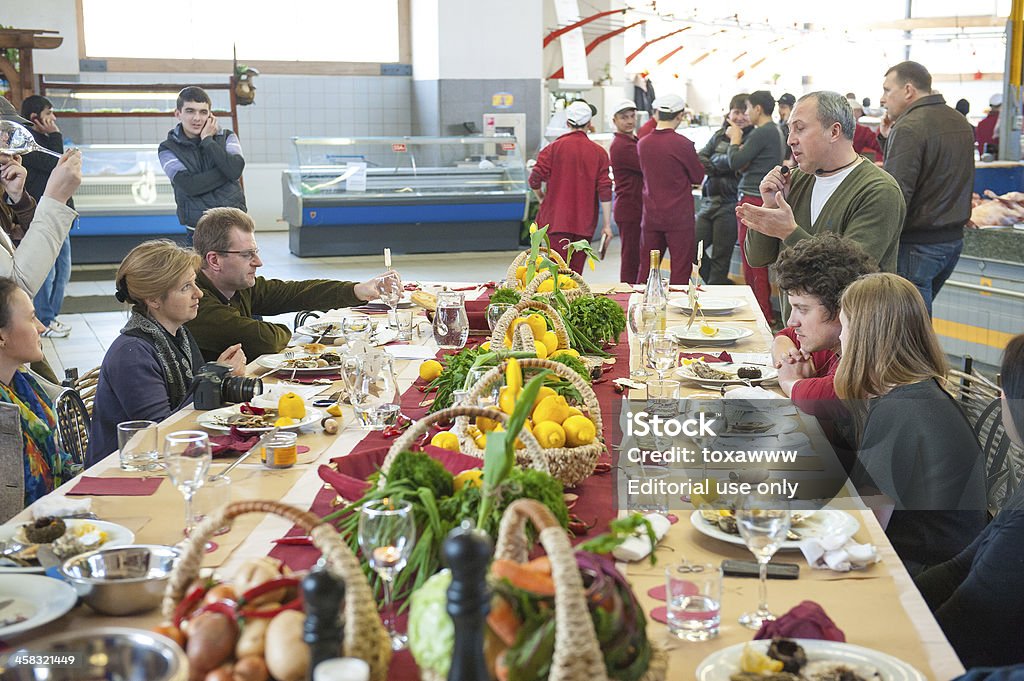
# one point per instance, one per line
(915, 445)
(978, 596)
(46, 467)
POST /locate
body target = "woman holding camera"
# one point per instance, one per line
(147, 371)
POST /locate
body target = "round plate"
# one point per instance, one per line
(815, 525)
(727, 335)
(767, 374)
(709, 305)
(117, 535)
(275, 362)
(721, 664)
(776, 425)
(36, 598)
(316, 329)
(211, 419)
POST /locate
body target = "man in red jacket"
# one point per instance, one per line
(671, 167)
(570, 179)
(629, 189)
(987, 132)
(865, 140)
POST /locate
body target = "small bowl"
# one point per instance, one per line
(122, 580)
(105, 653)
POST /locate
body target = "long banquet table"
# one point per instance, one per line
(878, 607)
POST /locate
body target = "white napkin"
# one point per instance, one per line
(410, 351)
(52, 505)
(639, 546)
(838, 552)
(743, 392)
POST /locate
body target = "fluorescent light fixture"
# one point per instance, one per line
(156, 96)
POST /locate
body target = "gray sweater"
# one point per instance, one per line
(762, 149)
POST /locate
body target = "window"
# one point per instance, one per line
(306, 30)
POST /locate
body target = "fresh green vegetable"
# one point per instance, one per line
(430, 628)
(619, 530)
(456, 367)
(574, 363)
(506, 296)
(599, 319)
(420, 470)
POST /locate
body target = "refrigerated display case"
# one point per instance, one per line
(357, 195)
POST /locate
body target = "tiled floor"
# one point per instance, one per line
(93, 332)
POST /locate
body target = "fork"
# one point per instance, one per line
(287, 356)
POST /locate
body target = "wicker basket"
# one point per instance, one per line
(568, 465)
(577, 655)
(365, 635)
(522, 341)
(459, 413)
(581, 291)
(520, 260)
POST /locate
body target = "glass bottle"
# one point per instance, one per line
(656, 292)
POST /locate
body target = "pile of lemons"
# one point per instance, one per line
(545, 342)
(546, 286)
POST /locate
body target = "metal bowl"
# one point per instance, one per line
(105, 653)
(122, 580)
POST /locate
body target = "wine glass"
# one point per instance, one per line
(386, 537)
(494, 313)
(643, 317)
(664, 355)
(763, 522)
(187, 458)
(389, 286)
(16, 139)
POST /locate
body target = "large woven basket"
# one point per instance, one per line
(581, 290)
(523, 338)
(406, 439)
(521, 259)
(577, 655)
(365, 635)
(568, 465)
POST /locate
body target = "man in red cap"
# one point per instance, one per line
(987, 133)
(571, 179)
(629, 189)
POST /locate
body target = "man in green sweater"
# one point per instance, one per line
(833, 189)
(233, 296)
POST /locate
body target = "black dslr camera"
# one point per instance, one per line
(215, 387)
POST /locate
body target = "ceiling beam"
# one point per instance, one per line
(938, 22)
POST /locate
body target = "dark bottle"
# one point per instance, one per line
(467, 553)
(322, 595)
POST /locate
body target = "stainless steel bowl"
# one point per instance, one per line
(122, 580)
(105, 653)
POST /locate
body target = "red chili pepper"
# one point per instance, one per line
(294, 541)
(400, 425)
(578, 526)
(220, 607)
(188, 603)
(602, 467)
(266, 587)
(619, 388)
(294, 604)
(247, 408)
(599, 380)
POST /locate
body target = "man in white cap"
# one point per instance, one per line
(670, 166)
(629, 189)
(571, 179)
(987, 133)
(865, 141)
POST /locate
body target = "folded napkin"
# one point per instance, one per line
(57, 506)
(639, 546)
(743, 392)
(476, 311)
(115, 487)
(350, 480)
(311, 379)
(406, 351)
(707, 357)
(837, 551)
(806, 620)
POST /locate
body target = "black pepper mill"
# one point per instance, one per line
(467, 552)
(322, 595)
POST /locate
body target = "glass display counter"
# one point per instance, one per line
(357, 195)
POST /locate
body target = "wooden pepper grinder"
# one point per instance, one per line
(322, 595)
(467, 552)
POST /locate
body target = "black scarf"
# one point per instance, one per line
(178, 354)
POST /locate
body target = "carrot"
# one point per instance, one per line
(541, 564)
(501, 667)
(523, 578)
(503, 621)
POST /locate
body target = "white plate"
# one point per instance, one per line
(315, 329)
(208, 419)
(276, 361)
(39, 599)
(117, 535)
(709, 305)
(727, 335)
(780, 425)
(767, 374)
(721, 664)
(815, 525)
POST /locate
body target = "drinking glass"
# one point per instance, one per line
(663, 397)
(642, 320)
(763, 522)
(494, 312)
(386, 537)
(693, 594)
(451, 324)
(664, 354)
(214, 493)
(187, 457)
(374, 394)
(403, 319)
(358, 327)
(138, 445)
(389, 286)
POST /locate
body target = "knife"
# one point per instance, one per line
(255, 448)
(4, 603)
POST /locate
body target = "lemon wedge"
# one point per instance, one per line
(756, 662)
(708, 330)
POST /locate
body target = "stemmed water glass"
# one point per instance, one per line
(389, 286)
(386, 537)
(494, 313)
(643, 318)
(763, 522)
(664, 354)
(187, 458)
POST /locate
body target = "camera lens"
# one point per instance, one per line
(235, 389)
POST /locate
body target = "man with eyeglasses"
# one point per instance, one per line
(234, 297)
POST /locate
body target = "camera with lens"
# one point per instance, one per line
(215, 387)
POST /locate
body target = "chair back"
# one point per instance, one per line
(1002, 457)
(86, 387)
(12, 462)
(73, 422)
(304, 316)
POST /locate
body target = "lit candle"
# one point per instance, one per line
(387, 258)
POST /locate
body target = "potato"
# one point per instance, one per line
(222, 673)
(287, 655)
(211, 641)
(258, 571)
(253, 639)
(251, 668)
(221, 592)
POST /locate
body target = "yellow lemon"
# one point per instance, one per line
(521, 273)
(549, 434)
(565, 351)
(756, 662)
(541, 394)
(708, 330)
(554, 409)
(430, 370)
(480, 441)
(710, 497)
(550, 340)
(546, 286)
(284, 422)
(540, 349)
(567, 284)
(507, 400)
(537, 324)
(446, 440)
(334, 410)
(508, 342)
(485, 424)
(474, 477)
(579, 430)
(512, 329)
(573, 411)
(486, 346)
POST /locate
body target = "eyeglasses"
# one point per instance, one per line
(248, 255)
